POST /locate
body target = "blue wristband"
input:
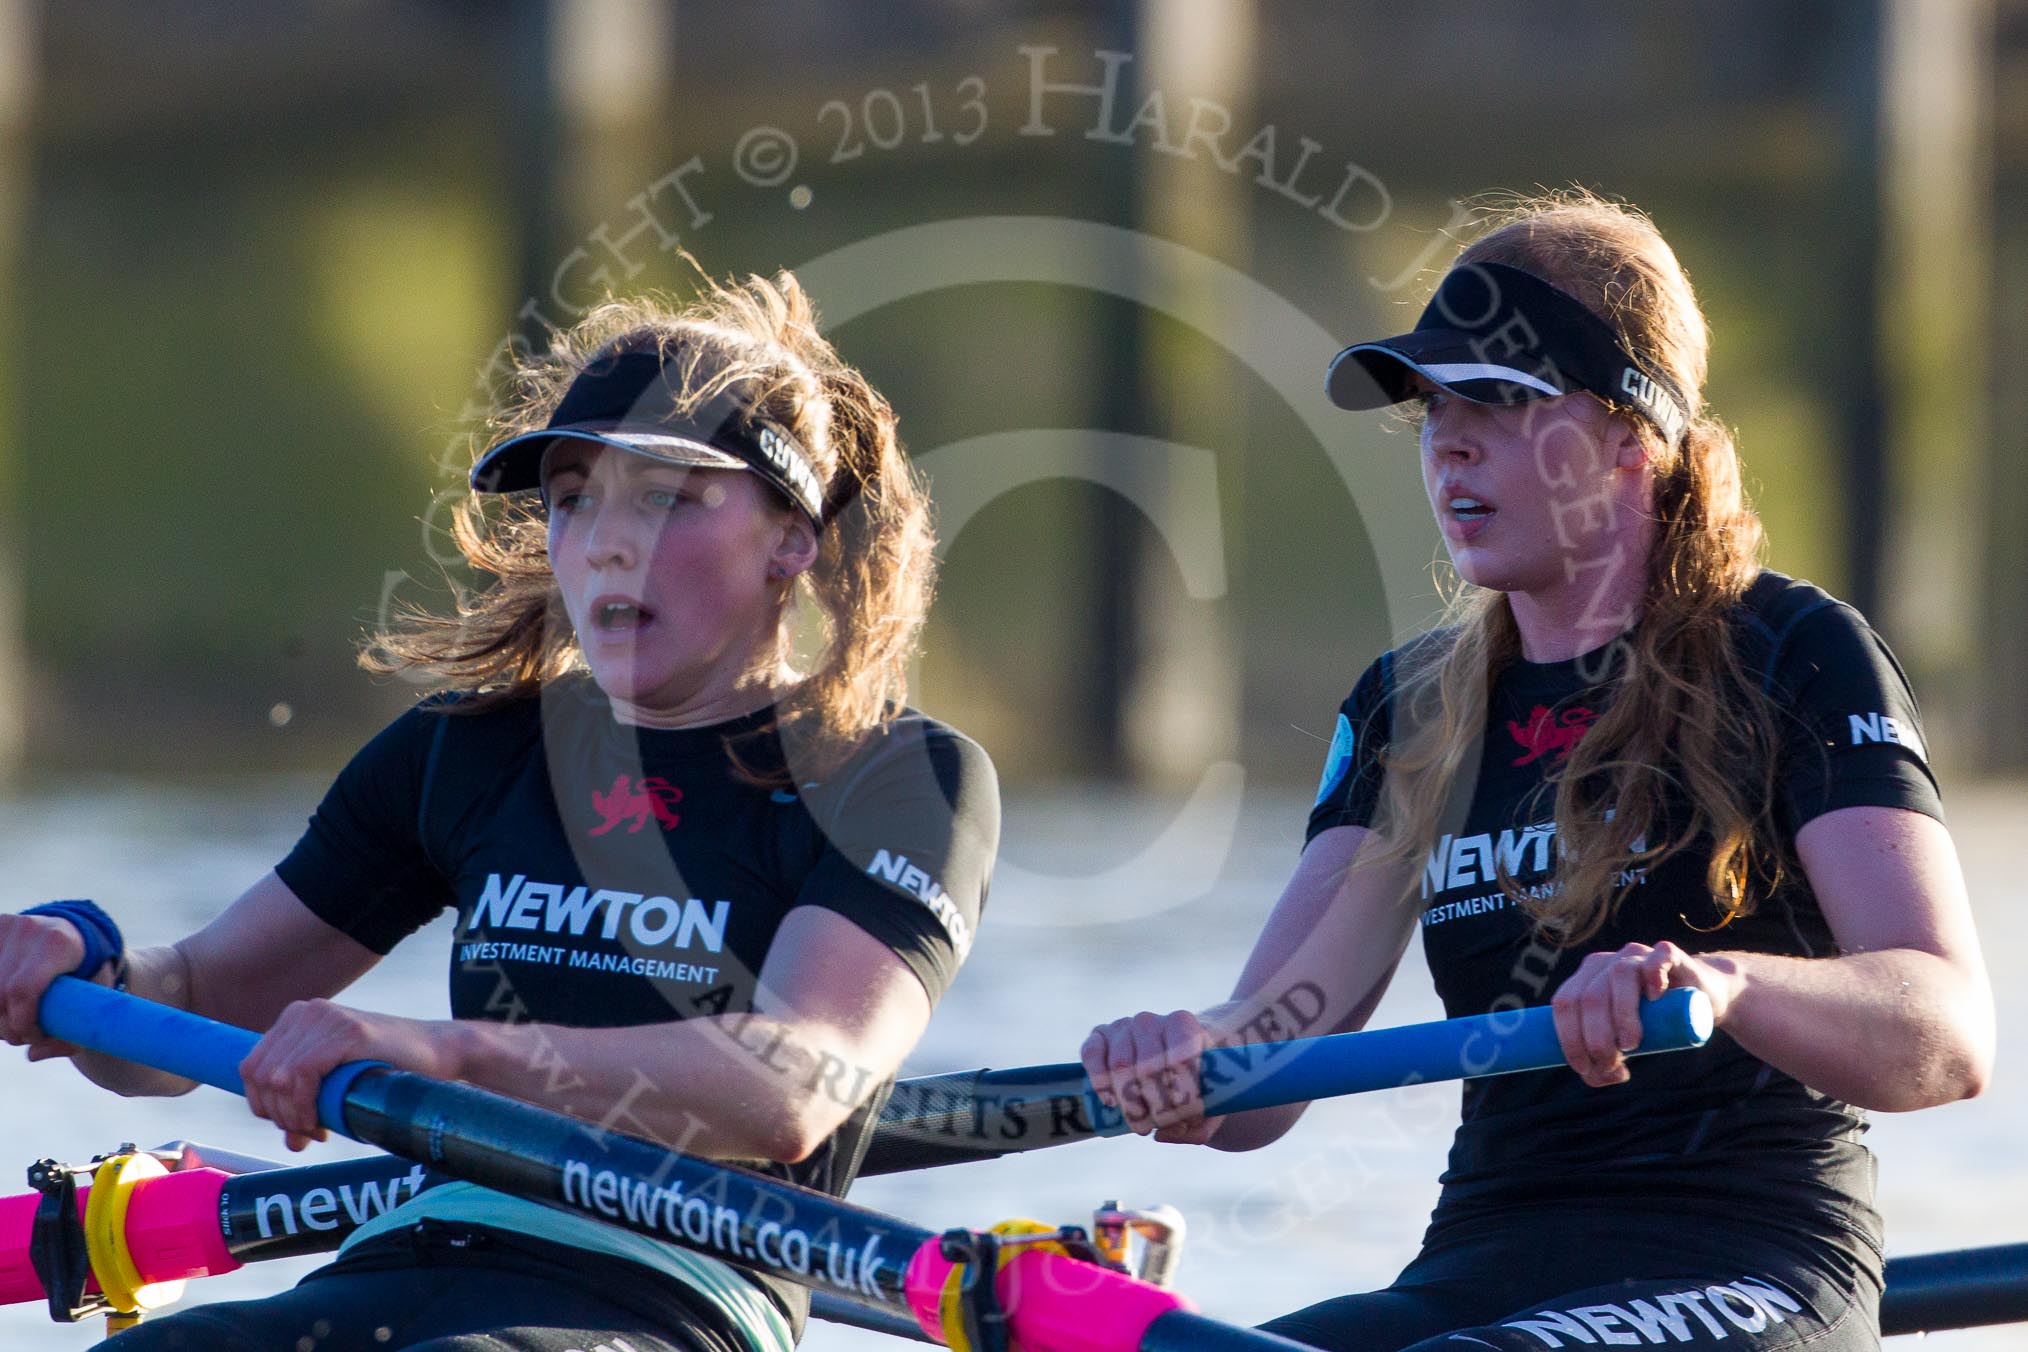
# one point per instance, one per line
(102, 940)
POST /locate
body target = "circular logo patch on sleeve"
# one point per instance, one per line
(1338, 762)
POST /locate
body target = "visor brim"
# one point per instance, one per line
(515, 465)
(1375, 375)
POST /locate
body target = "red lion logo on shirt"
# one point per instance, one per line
(656, 797)
(1543, 733)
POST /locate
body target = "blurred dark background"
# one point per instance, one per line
(256, 263)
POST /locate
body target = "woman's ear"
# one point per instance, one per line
(1627, 438)
(795, 549)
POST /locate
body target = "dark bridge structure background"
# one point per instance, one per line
(255, 262)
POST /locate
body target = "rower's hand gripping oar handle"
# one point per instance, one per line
(1235, 1079)
(1267, 1075)
(500, 1143)
(174, 1040)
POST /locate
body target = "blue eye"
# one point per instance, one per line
(663, 499)
(568, 502)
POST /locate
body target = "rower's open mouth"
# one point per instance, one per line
(621, 616)
(1470, 509)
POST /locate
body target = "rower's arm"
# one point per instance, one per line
(1332, 942)
(244, 968)
(1904, 1018)
(1320, 966)
(1901, 1019)
(768, 1085)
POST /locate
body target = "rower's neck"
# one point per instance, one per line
(1595, 601)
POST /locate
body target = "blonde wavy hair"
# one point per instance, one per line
(1682, 714)
(868, 593)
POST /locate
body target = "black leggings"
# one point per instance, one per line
(439, 1287)
(1589, 1281)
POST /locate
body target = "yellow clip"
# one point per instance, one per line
(105, 1226)
(950, 1305)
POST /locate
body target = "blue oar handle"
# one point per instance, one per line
(1236, 1079)
(172, 1040)
(1266, 1075)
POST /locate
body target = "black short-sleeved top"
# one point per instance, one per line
(607, 875)
(1716, 1127)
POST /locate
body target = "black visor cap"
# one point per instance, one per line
(631, 401)
(1498, 335)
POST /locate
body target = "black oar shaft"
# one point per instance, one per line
(837, 1310)
(285, 1213)
(1930, 1292)
(982, 1114)
(715, 1208)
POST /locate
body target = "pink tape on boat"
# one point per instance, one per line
(172, 1233)
(172, 1227)
(1052, 1301)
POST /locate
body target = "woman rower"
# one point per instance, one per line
(1631, 760)
(674, 852)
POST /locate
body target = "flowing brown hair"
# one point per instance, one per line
(1683, 714)
(866, 596)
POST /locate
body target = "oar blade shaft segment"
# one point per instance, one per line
(974, 1115)
(1239, 1079)
(732, 1213)
(1931, 1292)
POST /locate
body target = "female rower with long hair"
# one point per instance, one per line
(1630, 759)
(668, 839)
